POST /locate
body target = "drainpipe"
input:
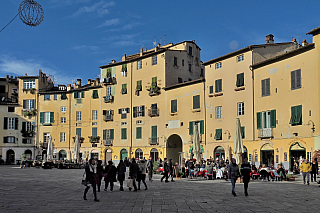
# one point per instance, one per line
(205, 115)
(131, 117)
(69, 121)
(253, 109)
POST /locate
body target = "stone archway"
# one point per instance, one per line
(28, 154)
(10, 157)
(174, 146)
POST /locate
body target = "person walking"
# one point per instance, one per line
(165, 170)
(314, 170)
(305, 168)
(109, 175)
(245, 172)
(92, 177)
(233, 172)
(100, 172)
(121, 173)
(150, 168)
(133, 173)
(171, 169)
(142, 174)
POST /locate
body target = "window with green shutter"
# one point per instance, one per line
(63, 96)
(174, 106)
(82, 94)
(259, 124)
(124, 68)
(243, 132)
(273, 119)
(51, 117)
(94, 132)
(78, 132)
(139, 85)
(139, 133)
(210, 89)
(296, 115)
(41, 117)
(154, 82)
(190, 127)
(109, 72)
(95, 94)
(124, 89)
(104, 134)
(196, 102)
(240, 80)
(218, 135)
(123, 133)
(111, 131)
(201, 127)
(154, 135)
(218, 84)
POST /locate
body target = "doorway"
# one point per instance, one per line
(10, 157)
(174, 146)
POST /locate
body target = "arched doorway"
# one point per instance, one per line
(123, 154)
(139, 154)
(28, 154)
(267, 155)
(219, 153)
(296, 151)
(94, 154)
(108, 155)
(10, 157)
(154, 154)
(174, 146)
(62, 154)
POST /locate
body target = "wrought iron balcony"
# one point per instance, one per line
(153, 112)
(154, 141)
(265, 133)
(108, 117)
(154, 90)
(108, 142)
(109, 80)
(108, 98)
(94, 139)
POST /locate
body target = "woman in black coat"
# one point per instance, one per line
(110, 173)
(92, 177)
(121, 173)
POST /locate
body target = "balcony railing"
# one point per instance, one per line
(94, 139)
(154, 90)
(191, 138)
(28, 112)
(27, 133)
(108, 98)
(154, 141)
(108, 117)
(109, 80)
(153, 112)
(108, 142)
(265, 133)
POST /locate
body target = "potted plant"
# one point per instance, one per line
(33, 90)
(291, 177)
(25, 113)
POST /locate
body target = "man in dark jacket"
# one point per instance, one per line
(171, 169)
(165, 170)
(150, 168)
(233, 172)
(133, 173)
(245, 172)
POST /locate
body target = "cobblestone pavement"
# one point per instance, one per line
(39, 190)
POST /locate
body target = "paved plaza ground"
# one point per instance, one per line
(39, 190)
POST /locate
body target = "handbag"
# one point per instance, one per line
(84, 181)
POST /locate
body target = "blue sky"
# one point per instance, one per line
(78, 36)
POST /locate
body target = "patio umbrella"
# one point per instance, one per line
(196, 144)
(49, 149)
(76, 150)
(238, 145)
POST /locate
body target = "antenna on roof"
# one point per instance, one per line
(155, 42)
(160, 40)
(164, 40)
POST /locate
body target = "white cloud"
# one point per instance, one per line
(107, 23)
(86, 47)
(16, 67)
(100, 8)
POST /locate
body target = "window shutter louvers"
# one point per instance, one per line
(111, 133)
(273, 118)
(259, 124)
(134, 112)
(51, 117)
(190, 127)
(201, 127)
(16, 123)
(5, 123)
(41, 117)
(104, 134)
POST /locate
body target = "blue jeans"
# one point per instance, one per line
(233, 183)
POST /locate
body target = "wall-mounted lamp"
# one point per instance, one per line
(277, 150)
(312, 128)
(228, 134)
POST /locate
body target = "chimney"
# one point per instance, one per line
(79, 83)
(68, 87)
(74, 85)
(113, 61)
(159, 45)
(97, 81)
(124, 57)
(26, 74)
(304, 42)
(294, 40)
(89, 82)
(141, 51)
(269, 39)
